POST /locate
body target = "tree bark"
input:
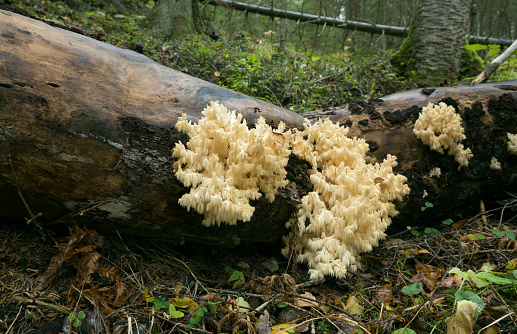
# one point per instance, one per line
(88, 129)
(175, 19)
(434, 45)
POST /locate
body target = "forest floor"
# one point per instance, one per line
(83, 282)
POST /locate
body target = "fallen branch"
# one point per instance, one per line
(490, 68)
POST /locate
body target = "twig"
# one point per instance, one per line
(495, 321)
(31, 215)
(24, 300)
(490, 68)
(12, 324)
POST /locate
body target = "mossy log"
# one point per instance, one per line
(87, 129)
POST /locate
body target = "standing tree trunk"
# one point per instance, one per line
(433, 48)
(175, 19)
(282, 36)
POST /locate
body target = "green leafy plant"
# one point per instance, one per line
(236, 239)
(322, 327)
(492, 49)
(413, 289)
(448, 221)
(506, 233)
(413, 232)
(430, 230)
(275, 265)
(427, 205)
(236, 276)
(75, 319)
(174, 314)
(197, 316)
(404, 331)
(161, 303)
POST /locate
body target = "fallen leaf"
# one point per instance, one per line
(283, 329)
(353, 305)
(302, 302)
(452, 282)
(492, 330)
(384, 294)
(463, 321)
(459, 223)
(431, 275)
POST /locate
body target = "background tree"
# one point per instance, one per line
(433, 49)
(175, 19)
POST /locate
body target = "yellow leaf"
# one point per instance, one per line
(282, 328)
(107, 310)
(512, 264)
(182, 302)
(178, 288)
(353, 305)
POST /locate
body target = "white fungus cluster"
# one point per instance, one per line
(494, 164)
(226, 164)
(439, 127)
(350, 207)
(512, 143)
(436, 172)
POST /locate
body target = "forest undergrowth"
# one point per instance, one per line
(412, 283)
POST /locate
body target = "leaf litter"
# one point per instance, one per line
(442, 282)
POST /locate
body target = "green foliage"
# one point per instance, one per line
(275, 265)
(404, 331)
(197, 317)
(509, 234)
(236, 276)
(161, 303)
(322, 327)
(430, 230)
(468, 295)
(448, 221)
(236, 239)
(413, 289)
(427, 205)
(75, 319)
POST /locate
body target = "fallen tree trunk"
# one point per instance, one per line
(87, 129)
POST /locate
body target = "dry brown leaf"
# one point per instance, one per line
(431, 275)
(302, 302)
(384, 295)
(451, 282)
(463, 321)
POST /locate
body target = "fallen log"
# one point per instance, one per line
(87, 129)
